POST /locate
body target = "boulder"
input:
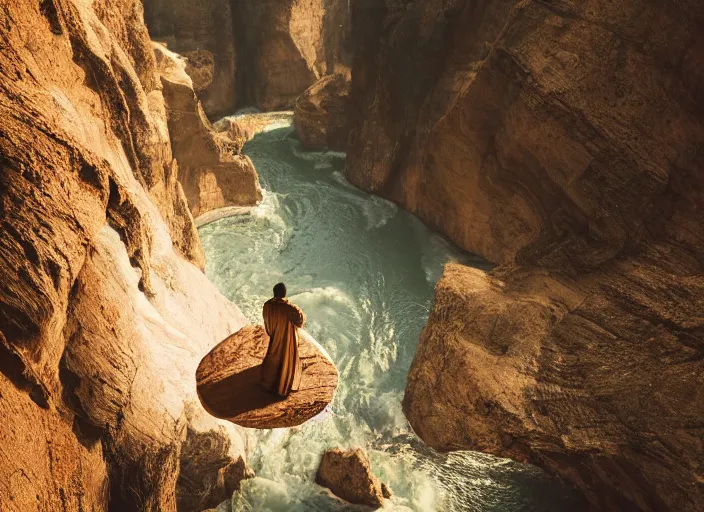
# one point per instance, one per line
(200, 66)
(348, 474)
(228, 381)
(320, 115)
(208, 475)
(212, 171)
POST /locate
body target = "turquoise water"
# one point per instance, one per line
(364, 272)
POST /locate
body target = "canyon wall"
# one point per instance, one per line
(320, 114)
(563, 141)
(212, 170)
(104, 313)
(261, 53)
(202, 31)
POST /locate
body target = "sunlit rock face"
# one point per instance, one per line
(212, 171)
(285, 46)
(104, 313)
(564, 142)
(202, 31)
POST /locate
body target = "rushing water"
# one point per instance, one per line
(363, 271)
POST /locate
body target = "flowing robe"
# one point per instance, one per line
(281, 369)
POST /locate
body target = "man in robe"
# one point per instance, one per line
(281, 369)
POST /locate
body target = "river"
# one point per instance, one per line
(363, 270)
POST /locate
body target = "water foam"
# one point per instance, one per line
(363, 271)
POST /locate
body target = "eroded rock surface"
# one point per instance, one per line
(243, 127)
(562, 140)
(212, 171)
(208, 475)
(320, 115)
(348, 474)
(201, 31)
(229, 382)
(286, 46)
(262, 53)
(103, 311)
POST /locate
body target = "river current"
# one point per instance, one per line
(363, 270)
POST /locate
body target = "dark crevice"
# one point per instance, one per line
(12, 366)
(48, 10)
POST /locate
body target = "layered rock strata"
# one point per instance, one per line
(212, 170)
(201, 31)
(100, 328)
(348, 474)
(287, 57)
(244, 126)
(320, 116)
(563, 141)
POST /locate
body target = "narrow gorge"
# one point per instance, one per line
(489, 211)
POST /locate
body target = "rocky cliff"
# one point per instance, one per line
(320, 115)
(212, 170)
(564, 141)
(104, 313)
(254, 53)
(202, 31)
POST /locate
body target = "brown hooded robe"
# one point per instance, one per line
(281, 369)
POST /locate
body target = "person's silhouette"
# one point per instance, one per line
(281, 369)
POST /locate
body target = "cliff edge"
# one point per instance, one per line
(563, 141)
(100, 328)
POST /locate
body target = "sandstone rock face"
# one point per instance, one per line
(347, 474)
(320, 115)
(286, 46)
(208, 475)
(263, 53)
(562, 140)
(243, 127)
(202, 31)
(229, 380)
(211, 170)
(103, 314)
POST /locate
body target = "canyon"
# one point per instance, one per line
(561, 141)
(262, 54)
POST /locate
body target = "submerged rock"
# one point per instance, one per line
(348, 474)
(228, 380)
(320, 115)
(284, 46)
(212, 171)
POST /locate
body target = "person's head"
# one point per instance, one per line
(280, 291)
